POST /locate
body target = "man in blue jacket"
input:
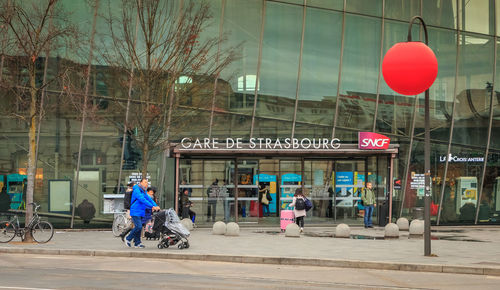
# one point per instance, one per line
(138, 204)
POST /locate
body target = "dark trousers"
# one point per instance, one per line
(300, 221)
(211, 210)
(187, 212)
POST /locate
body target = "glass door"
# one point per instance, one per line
(349, 178)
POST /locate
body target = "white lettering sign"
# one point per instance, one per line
(262, 143)
(455, 158)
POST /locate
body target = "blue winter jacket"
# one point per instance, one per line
(140, 201)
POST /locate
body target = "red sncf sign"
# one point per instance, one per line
(369, 140)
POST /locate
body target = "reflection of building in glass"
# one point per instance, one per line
(322, 83)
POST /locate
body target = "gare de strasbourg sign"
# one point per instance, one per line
(366, 141)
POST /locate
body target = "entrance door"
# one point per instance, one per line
(349, 178)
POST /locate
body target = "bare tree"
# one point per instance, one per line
(29, 29)
(162, 42)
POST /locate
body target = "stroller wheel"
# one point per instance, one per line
(166, 245)
(160, 246)
(186, 245)
(180, 246)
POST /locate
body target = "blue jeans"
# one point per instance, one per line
(368, 215)
(265, 209)
(135, 234)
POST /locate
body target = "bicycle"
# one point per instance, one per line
(120, 223)
(41, 231)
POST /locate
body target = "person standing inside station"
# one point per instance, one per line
(369, 202)
(138, 204)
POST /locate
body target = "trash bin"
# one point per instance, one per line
(383, 214)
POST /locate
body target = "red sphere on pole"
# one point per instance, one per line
(409, 68)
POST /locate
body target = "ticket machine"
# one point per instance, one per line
(270, 182)
(466, 191)
(289, 183)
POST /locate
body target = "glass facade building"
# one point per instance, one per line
(304, 69)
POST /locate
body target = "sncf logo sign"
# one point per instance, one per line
(368, 140)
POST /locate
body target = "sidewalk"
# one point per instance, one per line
(470, 250)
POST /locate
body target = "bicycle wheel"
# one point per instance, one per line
(42, 232)
(7, 232)
(120, 223)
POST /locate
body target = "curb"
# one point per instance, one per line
(434, 268)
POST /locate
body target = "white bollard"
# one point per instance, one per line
(292, 230)
(219, 228)
(391, 231)
(416, 227)
(403, 224)
(232, 229)
(342, 231)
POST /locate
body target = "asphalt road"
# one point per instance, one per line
(21, 271)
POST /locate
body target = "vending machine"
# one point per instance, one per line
(289, 183)
(466, 191)
(270, 182)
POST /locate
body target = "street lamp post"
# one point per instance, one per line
(410, 68)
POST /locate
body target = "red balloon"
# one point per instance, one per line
(409, 68)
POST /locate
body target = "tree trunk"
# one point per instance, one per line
(145, 156)
(31, 152)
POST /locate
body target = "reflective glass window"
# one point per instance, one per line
(368, 7)
(402, 10)
(360, 69)
(237, 82)
(278, 73)
(440, 13)
(320, 67)
(477, 16)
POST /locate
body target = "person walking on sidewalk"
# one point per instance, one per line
(186, 205)
(138, 204)
(126, 205)
(299, 208)
(369, 201)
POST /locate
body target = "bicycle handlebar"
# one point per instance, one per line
(35, 205)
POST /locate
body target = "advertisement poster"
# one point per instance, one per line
(344, 186)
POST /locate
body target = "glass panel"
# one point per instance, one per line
(231, 125)
(489, 209)
(477, 16)
(320, 63)
(462, 184)
(290, 180)
(402, 10)
(495, 137)
(399, 172)
(440, 13)
(349, 178)
(358, 88)
(216, 198)
(249, 207)
(331, 4)
(268, 178)
(237, 82)
(318, 182)
(280, 57)
(414, 192)
(394, 111)
(369, 7)
(305, 130)
(473, 99)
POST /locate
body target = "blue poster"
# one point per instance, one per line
(344, 186)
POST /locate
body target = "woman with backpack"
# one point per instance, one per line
(299, 208)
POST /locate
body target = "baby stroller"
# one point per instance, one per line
(167, 223)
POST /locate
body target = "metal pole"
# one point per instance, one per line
(427, 161)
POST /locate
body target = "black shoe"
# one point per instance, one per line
(370, 226)
(366, 227)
